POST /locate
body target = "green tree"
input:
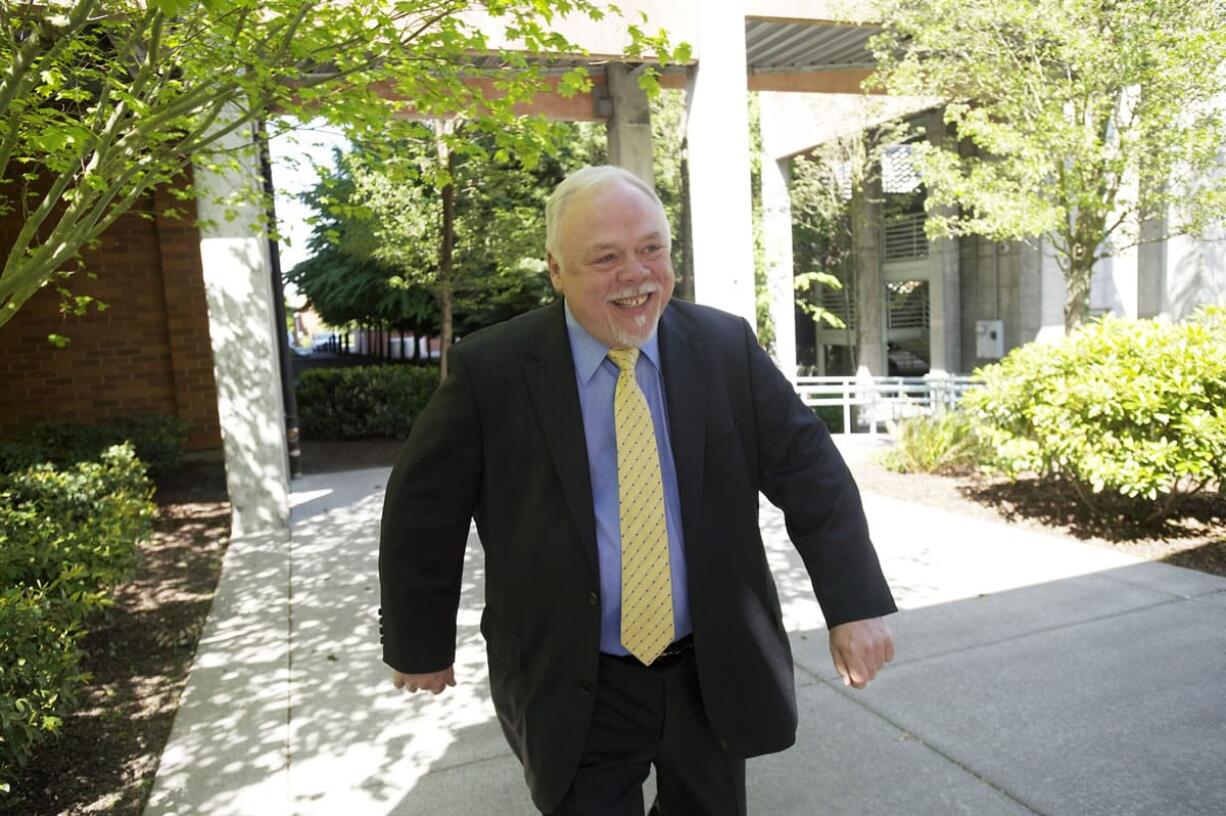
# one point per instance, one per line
(342, 281)
(382, 227)
(102, 100)
(1091, 121)
(827, 184)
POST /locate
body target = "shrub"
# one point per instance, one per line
(89, 515)
(831, 416)
(370, 401)
(157, 440)
(18, 454)
(67, 537)
(1131, 412)
(945, 444)
(40, 673)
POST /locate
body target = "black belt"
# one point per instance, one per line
(677, 647)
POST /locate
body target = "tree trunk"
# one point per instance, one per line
(1077, 287)
(445, 283)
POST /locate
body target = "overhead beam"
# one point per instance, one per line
(834, 80)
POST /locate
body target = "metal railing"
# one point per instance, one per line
(883, 400)
(903, 238)
(907, 305)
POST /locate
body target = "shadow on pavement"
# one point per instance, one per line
(1034, 675)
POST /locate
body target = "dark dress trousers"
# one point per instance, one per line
(502, 441)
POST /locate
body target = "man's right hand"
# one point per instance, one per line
(434, 682)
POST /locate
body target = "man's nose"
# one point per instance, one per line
(633, 270)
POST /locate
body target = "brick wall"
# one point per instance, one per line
(147, 353)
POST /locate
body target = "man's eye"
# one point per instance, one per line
(604, 259)
(653, 249)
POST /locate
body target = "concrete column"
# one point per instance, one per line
(944, 288)
(629, 125)
(717, 132)
(945, 308)
(777, 236)
(244, 336)
(1041, 294)
(1151, 269)
(870, 285)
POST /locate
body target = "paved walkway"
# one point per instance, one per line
(1034, 676)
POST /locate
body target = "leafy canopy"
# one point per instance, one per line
(1080, 119)
(103, 100)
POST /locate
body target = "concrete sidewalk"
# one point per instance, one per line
(1034, 675)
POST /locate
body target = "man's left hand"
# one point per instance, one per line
(860, 649)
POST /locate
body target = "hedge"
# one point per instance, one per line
(1132, 413)
(370, 401)
(67, 537)
(158, 441)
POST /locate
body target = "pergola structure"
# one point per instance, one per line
(788, 48)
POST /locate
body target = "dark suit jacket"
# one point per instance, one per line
(502, 441)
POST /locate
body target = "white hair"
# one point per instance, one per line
(588, 179)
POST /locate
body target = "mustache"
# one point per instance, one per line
(642, 289)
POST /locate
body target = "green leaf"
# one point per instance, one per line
(171, 8)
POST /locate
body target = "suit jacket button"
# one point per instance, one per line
(586, 688)
(593, 598)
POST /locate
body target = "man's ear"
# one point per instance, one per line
(555, 271)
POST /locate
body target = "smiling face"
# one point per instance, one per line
(612, 263)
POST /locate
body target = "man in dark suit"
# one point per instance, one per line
(611, 448)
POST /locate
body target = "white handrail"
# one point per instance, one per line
(884, 399)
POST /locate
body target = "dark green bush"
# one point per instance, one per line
(18, 454)
(67, 537)
(371, 401)
(1132, 413)
(158, 441)
(945, 444)
(831, 416)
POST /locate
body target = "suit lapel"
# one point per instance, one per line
(550, 374)
(685, 389)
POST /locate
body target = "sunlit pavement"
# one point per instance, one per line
(1034, 675)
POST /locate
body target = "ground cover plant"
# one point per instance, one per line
(136, 653)
(947, 443)
(68, 537)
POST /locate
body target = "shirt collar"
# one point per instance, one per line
(589, 353)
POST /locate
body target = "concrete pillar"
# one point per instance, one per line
(629, 125)
(244, 336)
(945, 307)
(870, 285)
(944, 288)
(777, 237)
(717, 132)
(1151, 269)
(778, 126)
(1040, 291)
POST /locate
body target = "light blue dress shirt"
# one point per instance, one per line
(597, 378)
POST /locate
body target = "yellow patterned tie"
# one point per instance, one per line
(647, 598)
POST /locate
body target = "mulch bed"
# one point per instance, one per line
(139, 653)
